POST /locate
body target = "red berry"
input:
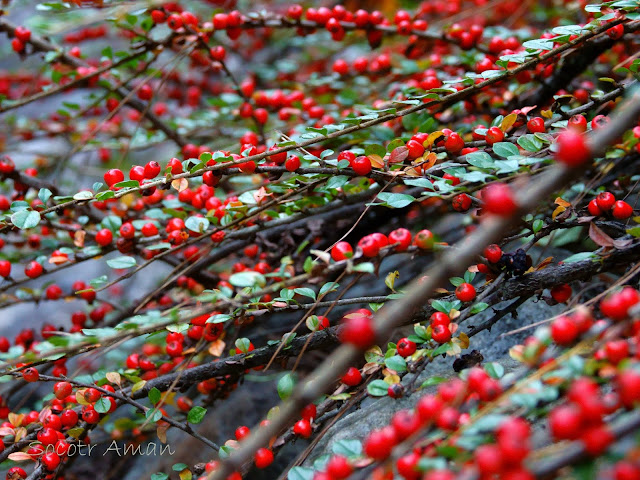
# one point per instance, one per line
(564, 331)
(302, 428)
(406, 347)
(341, 251)
(461, 202)
(33, 269)
(488, 458)
(62, 390)
(292, 163)
(263, 458)
(578, 123)
(622, 210)
(361, 165)
(5, 268)
(605, 201)
(358, 330)
(454, 143)
(565, 422)
(369, 246)
(242, 432)
(338, 467)
(499, 200)
(493, 253)
(561, 293)
(152, 170)
(593, 208)
(401, 237)
(113, 176)
(104, 237)
(51, 461)
(379, 443)
(494, 135)
(441, 333)
(465, 292)
(572, 148)
(424, 240)
(536, 125)
(628, 388)
(352, 378)
(597, 439)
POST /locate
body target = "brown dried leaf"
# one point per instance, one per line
(599, 237)
(428, 161)
(78, 238)
(544, 263)
(621, 243)
(161, 431)
(560, 201)
(216, 348)
(399, 155)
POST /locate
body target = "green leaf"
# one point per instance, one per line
(396, 363)
(537, 225)
(337, 181)
(530, 143)
(494, 370)
(396, 200)
(154, 395)
(365, 267)
(285, 386)
(44, 194)
(159, 476)
(378, 388)
(83, 195)
(578, 257)
(456, 281)
(479, 307)
(196, 414)
(153, 415)
(197, 224)
(25, 219)
(347, 448)
(301, 473)
(178, 467)
(431, 381)
(305, 292)
(505, 149)
(102, 405)
(122, 262)
(247, 279)
(375, 149)
(479, 159)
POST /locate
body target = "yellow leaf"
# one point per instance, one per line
(128, 199)
(138, 386)
(432, 138)
(548, 114)
(376, 161)
(557, 212)
(21, 432)
(508, 121)
(562, 202)
(391, 280)
(180, 184)
(544, 263)
(80, 397)
(114, 377)
(391, 378)
(464, 340)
